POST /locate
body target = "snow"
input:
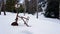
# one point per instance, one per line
(21, 1)
(42, 25)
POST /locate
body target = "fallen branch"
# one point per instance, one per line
(25, 22)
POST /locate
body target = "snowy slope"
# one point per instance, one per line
(41, 25)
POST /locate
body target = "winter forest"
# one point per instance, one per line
(29, 16)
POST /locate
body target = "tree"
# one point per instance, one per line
(52, 9)
(20, 9)
(2, 6)
(10, 5)
(31, 6)
(37, 9)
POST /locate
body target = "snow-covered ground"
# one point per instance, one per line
(41, 25)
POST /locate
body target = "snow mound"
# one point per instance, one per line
(41, 25)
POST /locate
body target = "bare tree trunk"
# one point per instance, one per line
(59, 11)
(3, 7)
(0, 10)
(37, 9)
(0, 6)
(4, 10)
(24, 8)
